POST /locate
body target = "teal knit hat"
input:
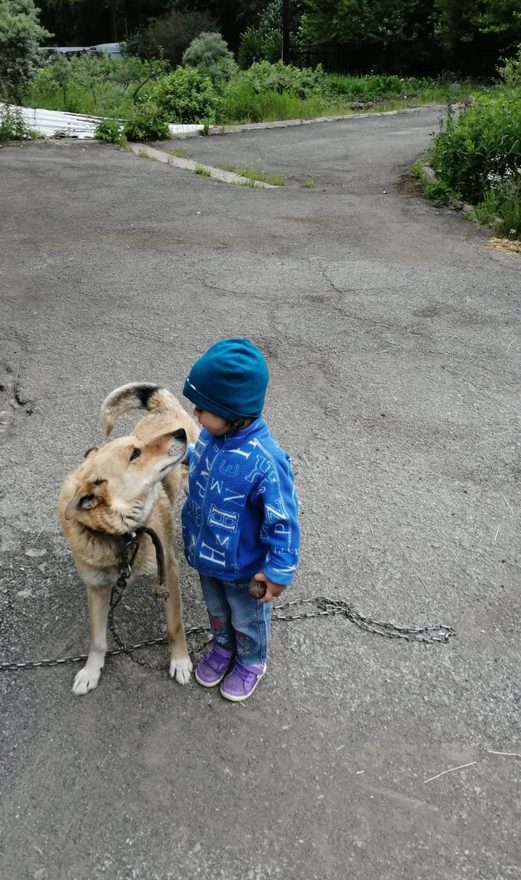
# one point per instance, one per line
(229, 380)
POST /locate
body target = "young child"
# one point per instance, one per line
(240, 520)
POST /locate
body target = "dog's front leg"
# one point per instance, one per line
(180, 663)
(87, 678)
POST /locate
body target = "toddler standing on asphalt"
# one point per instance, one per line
(240, 520)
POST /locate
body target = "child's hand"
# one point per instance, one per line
(273, 591)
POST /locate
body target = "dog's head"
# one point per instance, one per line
(114, 486)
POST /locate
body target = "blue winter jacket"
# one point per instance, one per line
(241, 515)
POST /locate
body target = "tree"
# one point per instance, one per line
(390, 34)
(404, 35)
(210, 54)
(168, 36)
(477, 34)
(274, 35)
(86, 22)
(21, 36)
(232, 17)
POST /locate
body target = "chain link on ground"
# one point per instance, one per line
(321, 606)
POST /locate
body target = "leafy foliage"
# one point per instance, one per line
(483, 146)
(501, 208)
(477, 158)
(460, 22)
(12, 125)
(210, 54)
(143, 124)
(262, 40)
(475, 35)
(168, 36)
(382, 34)
(510, 71)
(146, 123)
(371, 88)
(419, 35)
(110, 130)
(186, 95)
(242, 103)
(20, 38)
(273, 91)
(284, 78)
(86, 84)
(259, 44)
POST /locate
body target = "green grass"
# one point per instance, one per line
(254, 174)
(476, 158)
(202, 171)
(181, 154)
(309, 184)
(338, 96)
(501, 209)
(435, 190)
(115, 88)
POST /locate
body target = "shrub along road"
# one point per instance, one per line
(392, 331)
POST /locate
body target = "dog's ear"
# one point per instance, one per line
(85, 501)
(90, 451)
(172, 443)
(179, 444)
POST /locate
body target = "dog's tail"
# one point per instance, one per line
(136, 395)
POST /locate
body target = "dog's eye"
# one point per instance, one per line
(84, 500)
(135, 453)
(99, 481)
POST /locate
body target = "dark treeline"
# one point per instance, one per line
(402, 36)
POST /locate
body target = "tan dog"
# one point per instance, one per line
(129, 483)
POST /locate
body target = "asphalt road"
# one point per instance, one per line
(392, 332)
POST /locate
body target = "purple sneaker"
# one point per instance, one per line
(212, 668)
(240, 683)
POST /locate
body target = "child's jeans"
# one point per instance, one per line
(239, 622)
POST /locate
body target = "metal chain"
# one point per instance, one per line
(324, 607)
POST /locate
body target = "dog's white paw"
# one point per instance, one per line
(181, 669)
(86, 680)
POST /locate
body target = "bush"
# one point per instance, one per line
(482, 147)
(86, 84)
(478, 158)
(371, 88)
(295, 81)
(241, 103)
(110, 131)
(12, 125)
(146, 123)
(79, 85)
(186, 95)
(210, 54)
(501, 208)
(510, 71)
(259, 44)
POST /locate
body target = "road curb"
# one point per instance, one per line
(289, 123)
(197, 167)
(430, 175)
